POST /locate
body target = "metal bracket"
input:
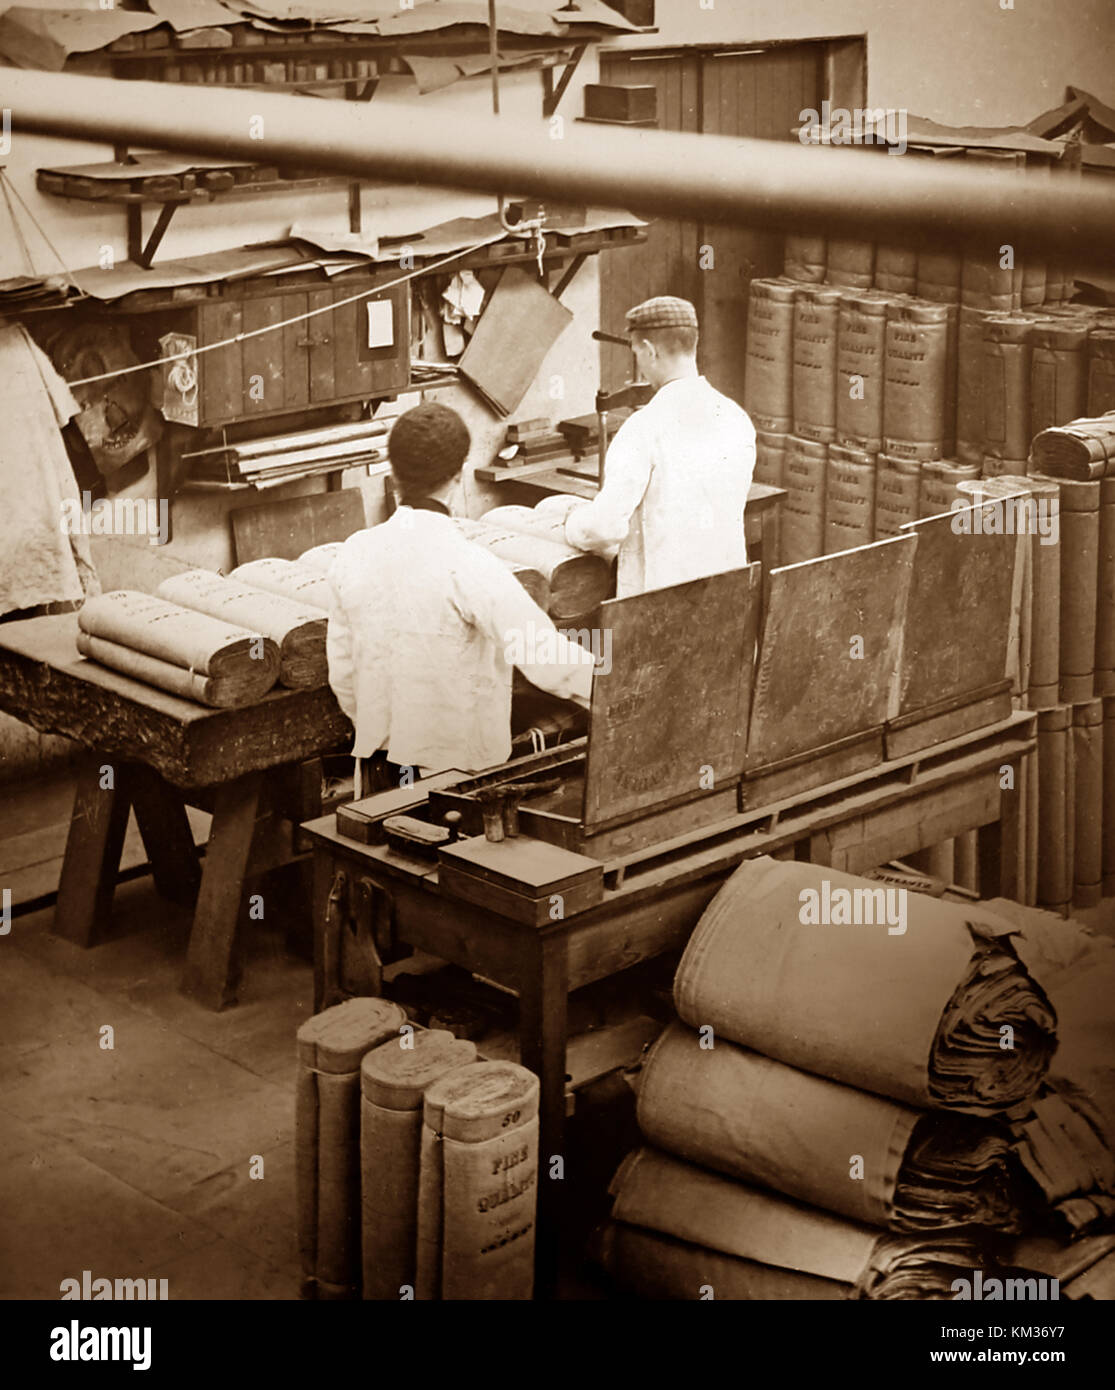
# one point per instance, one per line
(142, 254)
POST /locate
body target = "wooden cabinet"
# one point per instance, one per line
(345, 352)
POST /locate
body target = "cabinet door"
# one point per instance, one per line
(275, 370)
(221, 381)
(371, 341)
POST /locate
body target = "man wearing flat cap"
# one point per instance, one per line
(677, 472)
(422, 620)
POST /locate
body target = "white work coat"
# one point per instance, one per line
(676, 480)
(421, 628)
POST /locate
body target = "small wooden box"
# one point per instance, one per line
(607, 102)
(521, 878)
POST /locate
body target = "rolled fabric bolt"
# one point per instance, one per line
(897, 495)
(1045, 609)
(1055, 809)
(952, 386)
(1058, 375)
(1007, 354)
(969, 384)
(770, 458)
(940, 480)
(896, 270)
(938, 276)
(768, 389)
(782, 953)
(999, 468)
(851, 263)
(1033, 283)
(860, 350)
(803, 512)
(814, 372)
(915, 372)
(1105, 591)
(1079, 518)
(1109, 797)
(393, 1081)
(1087, 771)
(1101, 371)
(331, 1046)
(804, 258)
(478, 1184)
(1081, 450)
(849, 499)
(758, 1120)
(320, 557)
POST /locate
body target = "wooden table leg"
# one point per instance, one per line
(543, 1022)
(211, 965)
(97, 826)
(167, 837)
(1001, 848)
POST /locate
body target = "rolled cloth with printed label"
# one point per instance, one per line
(939, 276)
(851, 263)
(297, 629)
(804, 258)
(1079, 548)
(1087, 773)
(910, 1009)
(803, 512)
(1058, 374)
(860, 348)
(288, 578)
(915, 379)
(174, 646)
(969, 384)
(740, 1113)
(331, 1046)
(940, 484)
(1101, 371)
(1045, 607)
(1105, 593)
(849, 498)
(478, 1184)
(319, 558)
(814, 376)
(897, 495)
(770, 458)
(1007, 352)
(576, 580)
(393, 1081)
(1055, 808)
(768, 377)
(1081, 450)
(896, 270)
(660, 1193)
(1109, 796)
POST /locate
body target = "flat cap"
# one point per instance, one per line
(662, 312)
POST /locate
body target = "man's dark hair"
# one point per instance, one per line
(675, 341)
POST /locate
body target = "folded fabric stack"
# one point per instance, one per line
(862, 1097)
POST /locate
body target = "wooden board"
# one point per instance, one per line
(811, 690)
(957, 624)
(518, 327)
(289, 527)
(676, 700)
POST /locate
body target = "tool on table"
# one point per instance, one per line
(499, 805)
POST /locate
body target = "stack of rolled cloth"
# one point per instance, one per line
(841, 1109)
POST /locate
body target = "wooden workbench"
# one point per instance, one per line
(654, 896)
(255, 768)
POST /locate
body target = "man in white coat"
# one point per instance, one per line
(677, 473)
(424, 623)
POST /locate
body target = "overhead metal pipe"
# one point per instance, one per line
(709, 178)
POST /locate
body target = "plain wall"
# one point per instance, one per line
(961, 62)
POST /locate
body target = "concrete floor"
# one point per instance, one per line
(134, 1162)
